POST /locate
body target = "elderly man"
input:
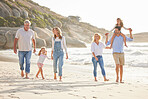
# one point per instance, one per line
(25, 37)
(118, 52)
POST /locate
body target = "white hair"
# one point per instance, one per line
(27, 22)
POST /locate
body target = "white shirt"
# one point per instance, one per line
(25, 39)
(63, 43)
(97, 49)
(41, 58)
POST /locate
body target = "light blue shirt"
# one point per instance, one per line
(118, 43)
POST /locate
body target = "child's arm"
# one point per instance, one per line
(36, 54)
(48, 58)
(126, 28)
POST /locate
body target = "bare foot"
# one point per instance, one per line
(22, 73)
(121, 81)
(106, 79)
(26, 77)
(96, 79)
(60, 78)
(37, 76)
(117, 80)
(43, 78)
(55, 78)
(126, 45)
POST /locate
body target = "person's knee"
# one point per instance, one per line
(40, 68)
(121, 67)
(117, 66)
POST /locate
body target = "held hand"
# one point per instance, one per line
(131, 30)
(34, 50)
(106, 34)
(15, 50)
(51, 57)
(66, 56)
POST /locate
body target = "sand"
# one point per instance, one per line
(77, 83)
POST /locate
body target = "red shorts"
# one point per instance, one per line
(40, 65)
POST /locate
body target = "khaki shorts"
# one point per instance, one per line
(119, 58)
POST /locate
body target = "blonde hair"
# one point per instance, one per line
(59, 32)
(94, 37)
(41, 50)
(121, 22)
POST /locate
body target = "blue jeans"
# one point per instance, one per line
(58, 55)
(27, 56)
(101, 63)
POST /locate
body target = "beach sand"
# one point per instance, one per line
(77, 83)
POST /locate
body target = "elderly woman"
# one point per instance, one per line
(97, 50)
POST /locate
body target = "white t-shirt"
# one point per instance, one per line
(25, 39)
(42, 58)
(63, 43)
(97, 49)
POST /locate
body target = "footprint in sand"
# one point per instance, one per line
(12, 96)
(130, 90)
(111, 95)
(94, 97)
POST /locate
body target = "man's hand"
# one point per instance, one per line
(34, 50)
(14, 47)
(15, 50)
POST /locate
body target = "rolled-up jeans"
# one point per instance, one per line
(58, 56)
(101, 63)
(27, 56)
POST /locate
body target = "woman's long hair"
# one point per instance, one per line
(41, 51)
(121, 22)
(59, 32)
(94, 37)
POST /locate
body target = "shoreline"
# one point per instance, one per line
(78, 78)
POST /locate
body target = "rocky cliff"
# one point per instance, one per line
(14, 12)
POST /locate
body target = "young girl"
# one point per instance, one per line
(119, 24)
(57, 54)
(97, 50)
(42, 56)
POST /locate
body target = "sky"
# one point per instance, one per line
(103, 13)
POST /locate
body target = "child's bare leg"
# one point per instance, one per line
(42, 73)
(22, 73)
(124, 38)
(38, 72)
(112, 40)
(55, 77)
